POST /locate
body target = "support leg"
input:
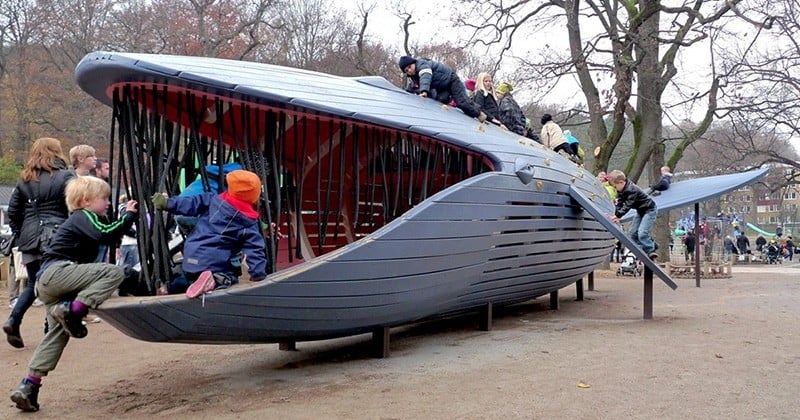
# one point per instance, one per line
(579, 290)
(287, 346)
(485, 321)
(591, 281)
(554, 300)
(648, 293)
(380, 342)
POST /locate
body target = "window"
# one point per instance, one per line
(790, 196)
(773, 220)
(745, 209)
(746, 198)
(774, 207)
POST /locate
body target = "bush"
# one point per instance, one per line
(9, 171)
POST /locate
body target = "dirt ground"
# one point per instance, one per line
(730, 349)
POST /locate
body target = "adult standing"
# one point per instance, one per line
(760, 242)
(101, 170)
(83, 159)
(510, 113)
(432, 75)
(37, 204)
(743, 244)
(689, 243)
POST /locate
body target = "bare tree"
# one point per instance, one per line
(21, 20)
(624, 68)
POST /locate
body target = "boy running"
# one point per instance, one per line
(69, 282)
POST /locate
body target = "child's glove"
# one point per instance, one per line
(159, 201)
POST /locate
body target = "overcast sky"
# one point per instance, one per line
(433, 19)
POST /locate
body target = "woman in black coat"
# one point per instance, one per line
(36, 203)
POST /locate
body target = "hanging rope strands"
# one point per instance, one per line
(327, 181)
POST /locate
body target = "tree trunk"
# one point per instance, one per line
(649, 90)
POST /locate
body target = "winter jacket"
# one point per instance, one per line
(196, 187)
(688, 241)
(79, 238)
(663, 183)
(433, 75)
(742, 243)
(225, 227)
(48, 192)
(632, 197)
(511, 115)
(487, 104)
(552, 136)
(571, 139)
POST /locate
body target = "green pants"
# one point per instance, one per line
(90, 284)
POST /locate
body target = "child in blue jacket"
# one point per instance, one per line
(228, 223)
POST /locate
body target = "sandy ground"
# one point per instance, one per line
(730, 349)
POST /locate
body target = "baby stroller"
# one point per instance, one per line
(773, 254)
(629, 266)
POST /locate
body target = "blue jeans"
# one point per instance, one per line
(130, 255)
(640, 230)
(28, 294)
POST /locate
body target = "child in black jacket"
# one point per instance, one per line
(69, 282)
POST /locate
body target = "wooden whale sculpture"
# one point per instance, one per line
(392, 208)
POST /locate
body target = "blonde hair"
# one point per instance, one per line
(665, 168)
(82, 188)
(479, 84)
(81, 151)
(616, 176)
(43, 157)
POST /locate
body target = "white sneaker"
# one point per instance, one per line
(13, 303)
(37, 303)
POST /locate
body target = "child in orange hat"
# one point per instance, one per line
(227, 224)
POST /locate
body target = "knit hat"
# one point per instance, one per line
(470, 84)
(504, 88)
(244, 185)
(406, 61)
(546, 118)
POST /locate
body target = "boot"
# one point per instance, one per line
(11, 328)
(27, 396)
(72, 322)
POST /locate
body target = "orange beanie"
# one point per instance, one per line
(244, 185)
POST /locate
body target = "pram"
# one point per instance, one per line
(773, 254)
(629, 266)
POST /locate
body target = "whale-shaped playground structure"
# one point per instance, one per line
(393, 208)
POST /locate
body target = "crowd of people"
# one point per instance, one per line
(61, 224)
(482, 100)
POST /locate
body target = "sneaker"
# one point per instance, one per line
(91, 319)
(71, 322)
(37, 303)
(12, 334)
(26, 397)
(204, 284)
(13, 303)
(652, 255)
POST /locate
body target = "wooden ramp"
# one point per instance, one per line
(615, 230)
